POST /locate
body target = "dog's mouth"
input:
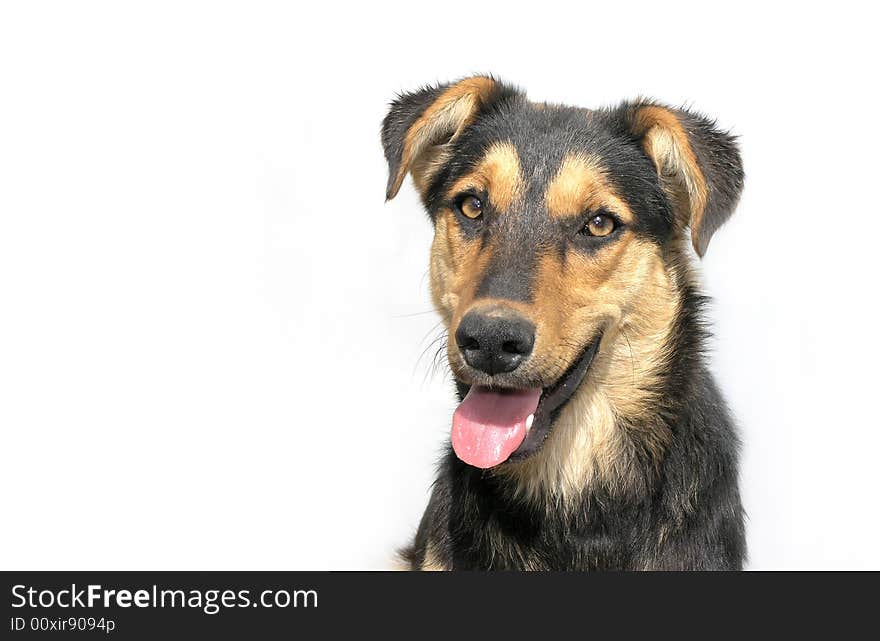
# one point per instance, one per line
(492, 426)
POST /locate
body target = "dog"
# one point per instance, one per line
(590, 434)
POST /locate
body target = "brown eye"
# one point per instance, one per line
(471, 206)
(599, 225)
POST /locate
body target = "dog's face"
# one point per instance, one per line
(554, 228)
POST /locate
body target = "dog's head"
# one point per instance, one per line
(555, 229)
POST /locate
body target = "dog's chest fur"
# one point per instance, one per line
(490, 529)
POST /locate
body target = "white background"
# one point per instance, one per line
(211, 323)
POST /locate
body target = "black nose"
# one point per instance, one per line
(495, 340)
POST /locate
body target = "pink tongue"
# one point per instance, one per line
(488, 426)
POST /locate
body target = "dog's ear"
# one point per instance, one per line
(420, 125)
(699, 166)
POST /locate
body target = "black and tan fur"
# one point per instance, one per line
(639, 468)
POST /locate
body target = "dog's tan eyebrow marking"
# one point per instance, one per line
(580, 185)
(498, 173)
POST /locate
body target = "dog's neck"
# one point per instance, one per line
(613, 433)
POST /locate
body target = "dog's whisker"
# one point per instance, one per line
(441, 337)
(429, 311)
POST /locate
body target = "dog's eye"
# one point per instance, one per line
(599, 225)
(471, 206)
